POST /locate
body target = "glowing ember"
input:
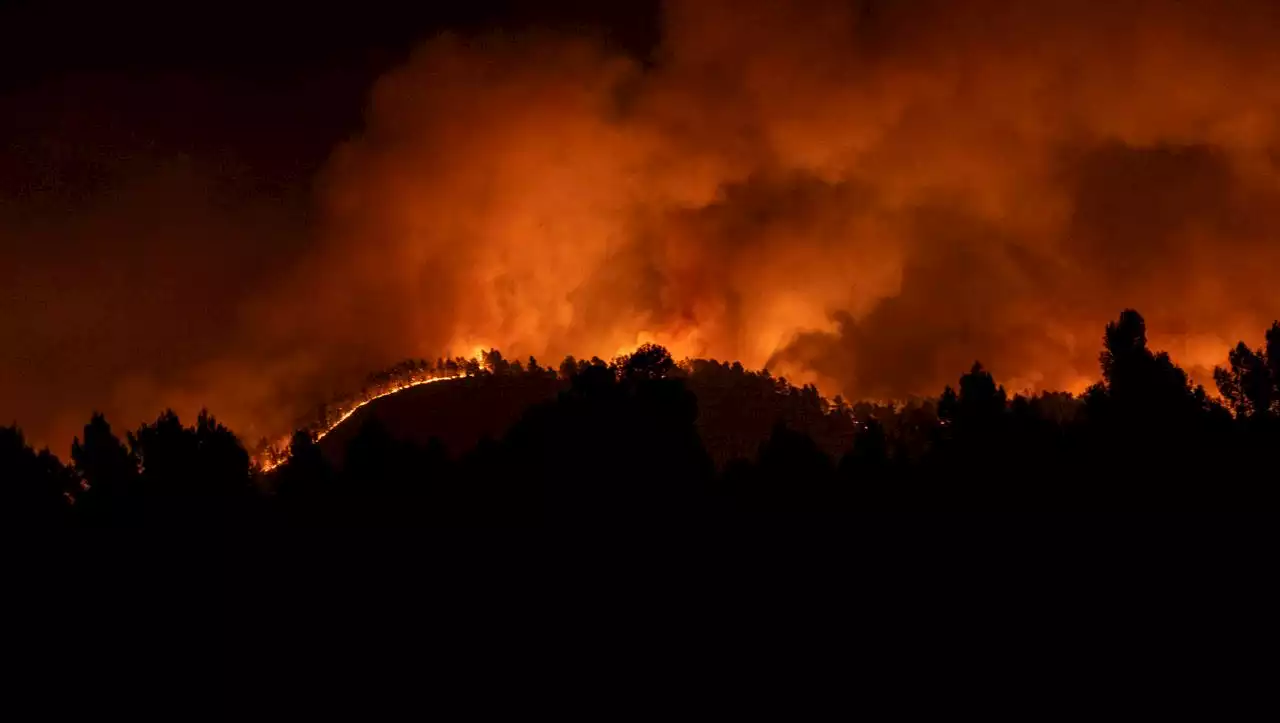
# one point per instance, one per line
(275, 455)
(268, 465)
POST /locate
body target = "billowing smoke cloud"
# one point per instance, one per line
(869, 195)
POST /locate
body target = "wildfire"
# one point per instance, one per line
(275, 455)
(866, 196)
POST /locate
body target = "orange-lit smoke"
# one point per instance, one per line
(874, 194)
(869, 195)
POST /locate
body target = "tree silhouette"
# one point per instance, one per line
(980, 404)
(35, 488)
(1151, 431)
(112, 494)
(650, 361)
(1250, 384)
(646, 441)
(189, 475)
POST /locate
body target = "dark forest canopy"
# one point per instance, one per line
(644, 439)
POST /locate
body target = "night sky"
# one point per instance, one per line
(86, 84)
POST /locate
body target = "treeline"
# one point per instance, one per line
(407, 373)
(644, 440)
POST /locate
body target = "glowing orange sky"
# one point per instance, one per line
(866, 195)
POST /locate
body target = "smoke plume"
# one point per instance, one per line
(866, 195)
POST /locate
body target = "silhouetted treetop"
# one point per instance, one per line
(1250, 383)
(650, 361)
(646, 440)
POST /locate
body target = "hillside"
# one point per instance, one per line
(459, 413)
(737, 411)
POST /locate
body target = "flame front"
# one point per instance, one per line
(277, 454)
(273, 455)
